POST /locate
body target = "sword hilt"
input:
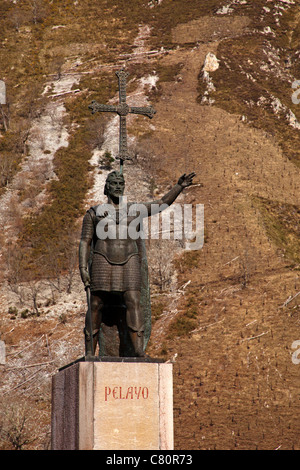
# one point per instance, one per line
(122, 75)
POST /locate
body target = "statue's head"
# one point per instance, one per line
(114, 185)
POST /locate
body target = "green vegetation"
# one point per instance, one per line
(186, 321)
(183, 324)
(282, 222)
(157, 309)
(188, 261)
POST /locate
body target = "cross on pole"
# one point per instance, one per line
(122, 109)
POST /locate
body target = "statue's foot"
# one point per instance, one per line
(90, 344)
(137, 339)
(142, 354)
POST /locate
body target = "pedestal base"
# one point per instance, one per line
(113, 405)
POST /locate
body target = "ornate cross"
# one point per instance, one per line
(122, 109)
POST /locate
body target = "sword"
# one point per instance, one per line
(122, 109)
(89, 315)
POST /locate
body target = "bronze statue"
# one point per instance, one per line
(115, 268)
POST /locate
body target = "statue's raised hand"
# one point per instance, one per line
(186, 180)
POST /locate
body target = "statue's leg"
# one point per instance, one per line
(135, 321)
(96, 313)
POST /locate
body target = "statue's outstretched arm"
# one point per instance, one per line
(168, 199)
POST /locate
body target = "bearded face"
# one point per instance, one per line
(114, 187)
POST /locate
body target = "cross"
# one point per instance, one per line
(122, 109)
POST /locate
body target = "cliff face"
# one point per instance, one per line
(224, 80)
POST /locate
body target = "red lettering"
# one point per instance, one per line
(129, 392)
(107, 392)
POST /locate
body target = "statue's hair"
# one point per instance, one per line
(113, 175)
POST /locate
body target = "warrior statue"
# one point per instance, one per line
(113, 265)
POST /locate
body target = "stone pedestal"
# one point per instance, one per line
(124, 404)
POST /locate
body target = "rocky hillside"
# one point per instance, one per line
(224, 79)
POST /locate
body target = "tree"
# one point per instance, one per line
(160, 264)
(18, 17)
(96, 129)
(71, 260)
(5, 116)
(6, 169)
(15, 271)
(15, 430)
(39, 11)
(57, 65)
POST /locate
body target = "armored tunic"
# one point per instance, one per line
(115, 263)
